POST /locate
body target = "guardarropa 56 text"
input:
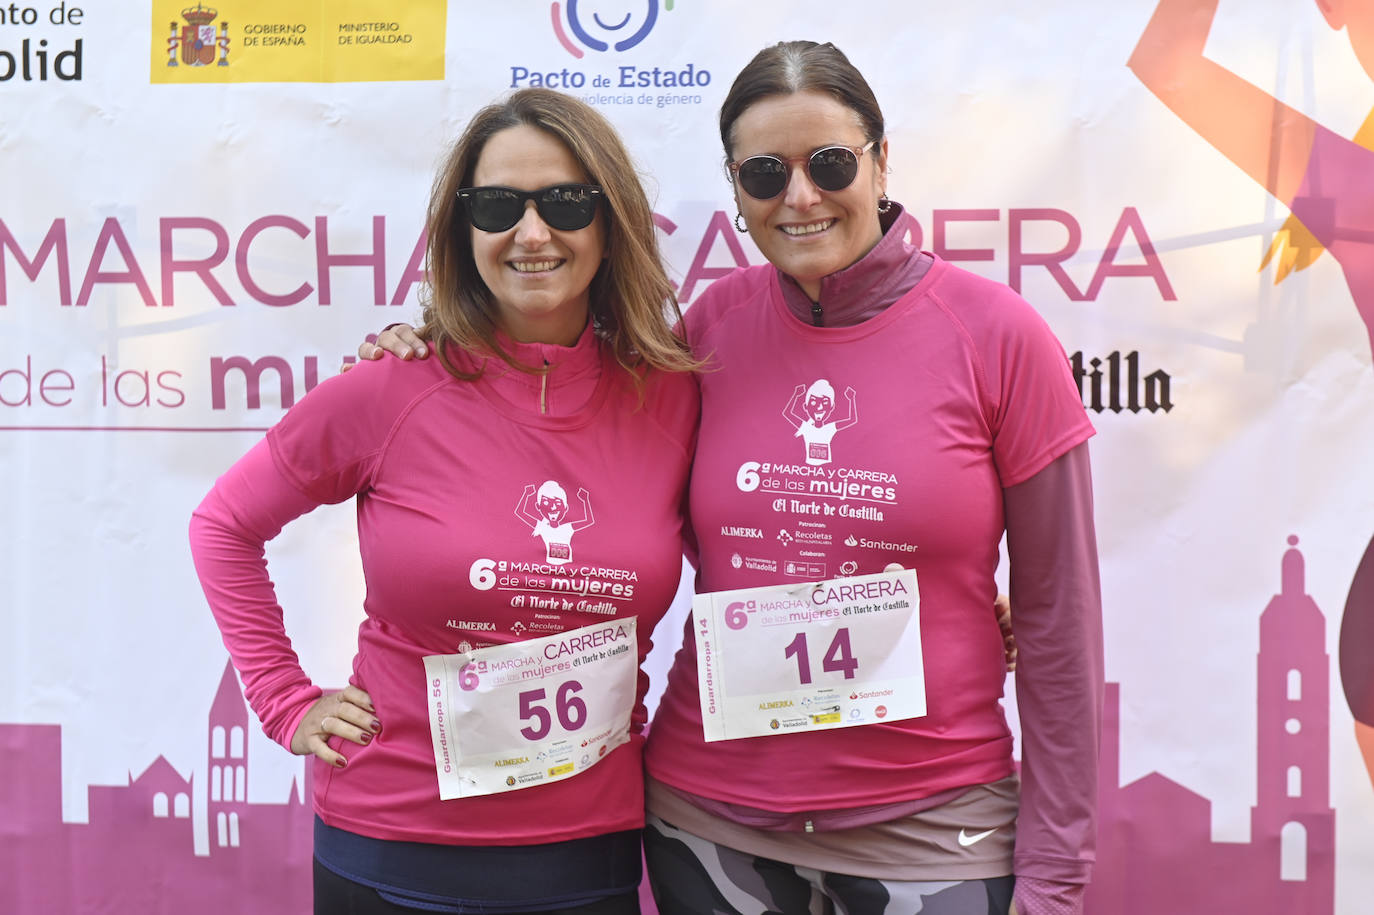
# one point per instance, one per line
(626, 76)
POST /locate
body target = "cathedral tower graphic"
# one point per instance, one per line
(1155, 850)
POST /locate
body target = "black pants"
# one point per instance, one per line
(335, 895)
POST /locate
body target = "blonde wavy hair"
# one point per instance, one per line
(633, 306)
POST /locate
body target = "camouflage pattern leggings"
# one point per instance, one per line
(692, 876)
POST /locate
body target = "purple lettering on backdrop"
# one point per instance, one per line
(1051, 261)
(1153, 267)
(414, 271)
(54, 242)
(1155, 851)
(110, 231)
(241, 260)
(252, 379)
(941, 218)
(200, 267)
(719, 227)
(324, 261)
(137, 853)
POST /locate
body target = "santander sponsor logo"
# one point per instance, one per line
(870, 693)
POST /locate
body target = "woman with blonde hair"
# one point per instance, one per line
(486, 754)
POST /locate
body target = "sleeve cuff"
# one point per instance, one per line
(1034, 896)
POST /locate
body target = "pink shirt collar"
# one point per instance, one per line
(568, 386)
(870, 284)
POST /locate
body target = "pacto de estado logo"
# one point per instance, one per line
(606, 27)
(600, 26)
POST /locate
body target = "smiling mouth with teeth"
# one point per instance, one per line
(810, 229)
(534, 266)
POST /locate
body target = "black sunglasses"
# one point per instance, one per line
(566, 207)
(832, 168)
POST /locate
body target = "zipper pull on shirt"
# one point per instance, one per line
(817, 318)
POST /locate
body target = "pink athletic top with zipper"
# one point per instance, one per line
(438, 467)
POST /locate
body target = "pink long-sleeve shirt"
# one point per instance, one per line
(440, 469)
(950, 394)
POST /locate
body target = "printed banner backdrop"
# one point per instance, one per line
(203, 210)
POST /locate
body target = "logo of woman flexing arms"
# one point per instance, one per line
(812, 418)
(551, 507)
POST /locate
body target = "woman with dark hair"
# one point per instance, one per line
(965, 423)
(490, 664)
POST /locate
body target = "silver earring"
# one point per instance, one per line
(884, 204)
(740, 227)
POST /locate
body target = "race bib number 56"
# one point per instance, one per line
(828, 654)
(533, 712)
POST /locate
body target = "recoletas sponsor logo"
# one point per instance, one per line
(547, 627)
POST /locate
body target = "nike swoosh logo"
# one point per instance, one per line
(966, 840)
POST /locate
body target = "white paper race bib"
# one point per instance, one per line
(533, 712)
(830, 654)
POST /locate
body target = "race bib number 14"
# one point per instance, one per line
(531, 712)
(813, 656)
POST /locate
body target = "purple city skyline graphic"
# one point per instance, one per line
(137, 852)
(1155, 850)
